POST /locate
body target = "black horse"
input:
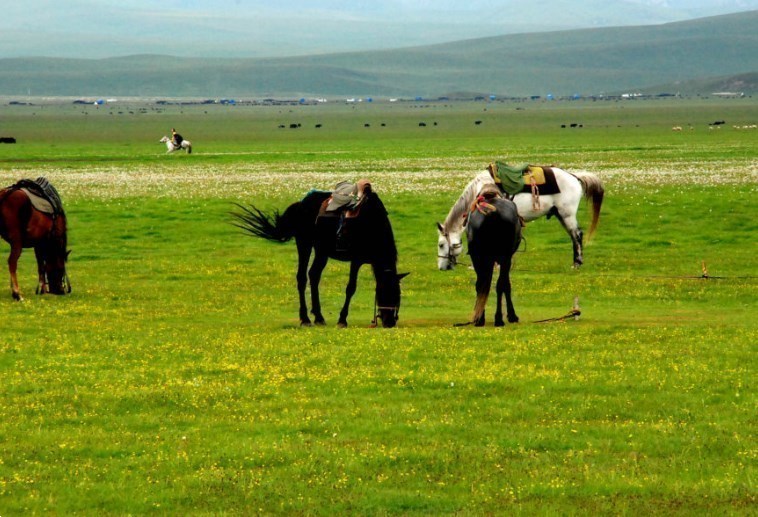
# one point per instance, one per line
(493, 230)
(365, 238)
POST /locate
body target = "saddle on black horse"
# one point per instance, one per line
(344, 204)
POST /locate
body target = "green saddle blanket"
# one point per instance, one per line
(511, 177)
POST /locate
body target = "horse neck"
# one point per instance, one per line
(454, 220)
(382, 238)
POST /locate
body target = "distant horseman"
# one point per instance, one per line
(176, 138)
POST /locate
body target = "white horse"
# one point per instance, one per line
(171, 146)
(563, 205)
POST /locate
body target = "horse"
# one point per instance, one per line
(564, 205)
(366, 238)
(171, 146)
(27, 222)
(493, 234)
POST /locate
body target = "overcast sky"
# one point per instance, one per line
(267, 28)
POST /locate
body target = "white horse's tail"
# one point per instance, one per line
(593, 191)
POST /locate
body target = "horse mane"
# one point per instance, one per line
(382, 226)
(454, 219)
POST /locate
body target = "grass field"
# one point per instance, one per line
(176, 380)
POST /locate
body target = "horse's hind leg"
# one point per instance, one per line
(504, 287)
(483, 285)
(314, 275)
(571, 226)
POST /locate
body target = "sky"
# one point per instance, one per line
(96, 29)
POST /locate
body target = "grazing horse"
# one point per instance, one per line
(564, 205)
(366, 238)
(32, 216)
(493, 233)
(171, 146)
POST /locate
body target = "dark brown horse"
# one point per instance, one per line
(368, 240)
(43, 228)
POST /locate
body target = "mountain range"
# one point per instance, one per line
(262, 29)
(705, 52)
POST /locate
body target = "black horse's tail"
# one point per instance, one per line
(274, 226)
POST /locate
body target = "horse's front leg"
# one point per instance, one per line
(483, 285)
(314, 275)
(12, 267)
(303, 257)
(352, 286)
(42, 287)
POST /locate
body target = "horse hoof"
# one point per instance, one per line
(306, 324)
(320, 323)
(500, 323)
(342, 325)
(512, 319)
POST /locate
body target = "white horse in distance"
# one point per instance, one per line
(171, 147)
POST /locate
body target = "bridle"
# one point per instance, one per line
(377, 308)
(394, 308)
(450, 255)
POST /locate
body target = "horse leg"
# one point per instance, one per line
(571, 225)
(42, 287)
(504, 287)
(499, 290)
(483, 284)
(303, 257)
(314, 275)
(352, 285)
(12, 267)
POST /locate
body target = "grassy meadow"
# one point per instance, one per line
(175, 379)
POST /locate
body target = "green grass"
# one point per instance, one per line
(176, 380)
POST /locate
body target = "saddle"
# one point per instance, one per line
(524, 178)
(43, 196)
(346, 199)
(344, 204)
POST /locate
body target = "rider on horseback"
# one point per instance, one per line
(176, 138)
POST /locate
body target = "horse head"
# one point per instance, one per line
(388, 296)
(163, 140)
(449, 247)
(56, 257)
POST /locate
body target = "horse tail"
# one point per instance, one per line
(480, 305)
(273, 227)
(594, 192)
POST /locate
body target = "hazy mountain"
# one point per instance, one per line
(261, 28)
(588, 62)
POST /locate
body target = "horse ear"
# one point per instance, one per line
(440, 229)
(400, 276)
